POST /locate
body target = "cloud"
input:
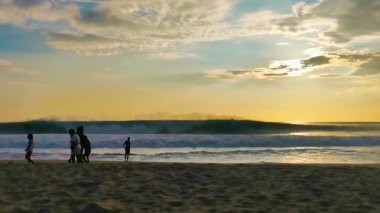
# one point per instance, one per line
(28, 3)
(261, 22)
(326, 75)
(275, 69)
(361, 63)
(356, 18)
(36, 13)
(19, 84)
(111, 26)
(269, 22)
(163, 28)
(9, 67)
(174, 55)
(315, 61)
(332, 21)
(5, 63)
(87, 44)
(346, 19)
(371, 67)
(159, 28)
(254, 73)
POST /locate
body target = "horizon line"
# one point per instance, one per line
(209, 119)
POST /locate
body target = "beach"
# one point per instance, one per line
(55, 186)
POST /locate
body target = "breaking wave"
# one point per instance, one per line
(212, 141)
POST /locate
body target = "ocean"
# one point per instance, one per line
(354, 146)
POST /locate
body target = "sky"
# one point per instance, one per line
(273, 60)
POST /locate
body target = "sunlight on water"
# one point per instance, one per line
(301, 147)
(334, 133)
(301, 133)
(354, 147)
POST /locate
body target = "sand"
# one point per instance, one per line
(170, 187)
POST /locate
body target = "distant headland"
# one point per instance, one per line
(212, 126)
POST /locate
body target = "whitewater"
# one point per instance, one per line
(296, 147)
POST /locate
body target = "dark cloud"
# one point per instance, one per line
(355, 56)
(93, 16)
(259, 73)
(27, 3)
(325, 75)
(360, 63)
(291, 24)
(227, 74)
(372, 67)
(337, 36)
(76, 38)
(360, 18)
(275, 74)
(104, 18)
(240, 72)
(315, 61)
(280, 67)
(353, 18)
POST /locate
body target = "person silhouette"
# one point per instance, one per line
(29, 148)
(75, 147)
(127, 147)
(85, 145)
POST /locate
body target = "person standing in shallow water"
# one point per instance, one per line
(29, 148)
(75, 147)
(127, 147)
(85, 145)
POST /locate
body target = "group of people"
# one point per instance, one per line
(80, 147)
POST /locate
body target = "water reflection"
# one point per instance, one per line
(333, 155)
(333, 133)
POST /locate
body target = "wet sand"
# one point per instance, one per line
(55, 186)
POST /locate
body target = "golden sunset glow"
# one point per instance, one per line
(137, 59)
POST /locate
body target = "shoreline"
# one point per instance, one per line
(48, 161)
(102, 186)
